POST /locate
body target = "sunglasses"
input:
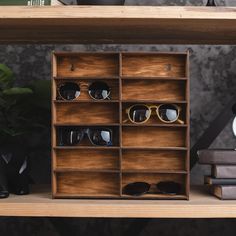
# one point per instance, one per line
(141, 188)
(96, 136)
(97, 90)
(167, 113)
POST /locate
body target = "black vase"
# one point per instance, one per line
(100, 2)
(211, 3)
(4, 192)
(17, 171)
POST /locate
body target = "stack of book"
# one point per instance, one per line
(222, 181)
(29, 2)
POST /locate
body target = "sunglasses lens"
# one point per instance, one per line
(99, 90)
(169, 187)
(139, 113)
(69, 90)
(168, 113)
(136, 189)
(101, 137)
(70, 137)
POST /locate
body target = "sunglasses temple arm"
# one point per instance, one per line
(180, 121)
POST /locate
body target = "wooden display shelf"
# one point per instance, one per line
(41, 204)
(120, 24)
(104, 172)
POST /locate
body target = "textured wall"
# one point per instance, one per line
(212, 72)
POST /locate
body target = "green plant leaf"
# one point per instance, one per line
(17, 91)
(6, 76)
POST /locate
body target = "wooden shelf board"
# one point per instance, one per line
(87, 124)
(156, 125)
(119, 24)
(154, 101)
(59, 170)
(40, 204)
(87, 147)
(153, 78)
(86, 101)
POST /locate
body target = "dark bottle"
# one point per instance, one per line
(211, 3)
(4, 192)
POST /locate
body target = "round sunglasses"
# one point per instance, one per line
(97, 90)
(141, 188)
(141, 113)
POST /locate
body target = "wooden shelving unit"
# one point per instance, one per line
(86, 170)
(120, 24)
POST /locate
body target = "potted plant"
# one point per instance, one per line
(24, 120)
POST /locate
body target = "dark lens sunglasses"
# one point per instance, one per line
(96, 136)
(97, 90)
(141, 188)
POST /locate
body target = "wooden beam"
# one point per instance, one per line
(120, 24)
(40, 204)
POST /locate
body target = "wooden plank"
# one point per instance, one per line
(40, 204)
(120, 24)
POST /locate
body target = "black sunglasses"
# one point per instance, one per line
(97, 90)
(73, 136)
(141, 188)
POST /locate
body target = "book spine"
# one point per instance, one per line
(25, 2)
(213, 181)
(224, 171)
(225, 192)
(209, 157)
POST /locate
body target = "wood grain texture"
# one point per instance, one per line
(153, 137)
(88, 159)
(87, 113)
(153, 160)
(40, 204)
(87, 184)
(142, 89)
(88, 65)
(153, 65)
(119, 24)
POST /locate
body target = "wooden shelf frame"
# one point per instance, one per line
(119, 24)
(163, 162)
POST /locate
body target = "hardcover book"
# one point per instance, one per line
(224, 171)
(217, 156)
(225, 192)
(214, 181)
(24, 2)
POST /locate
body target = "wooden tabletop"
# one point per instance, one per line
(119, 24)
(40, 204)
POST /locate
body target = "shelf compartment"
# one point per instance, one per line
(87, 159)
(162, 90)
(148, 65)
(154, 178)
(84, 86)
(87, 65)
(90, 113)
(154, 119)
(87, 184)
(158, 160)
(153, 136)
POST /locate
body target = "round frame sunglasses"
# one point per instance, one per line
(166, 113)
(97, 90)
